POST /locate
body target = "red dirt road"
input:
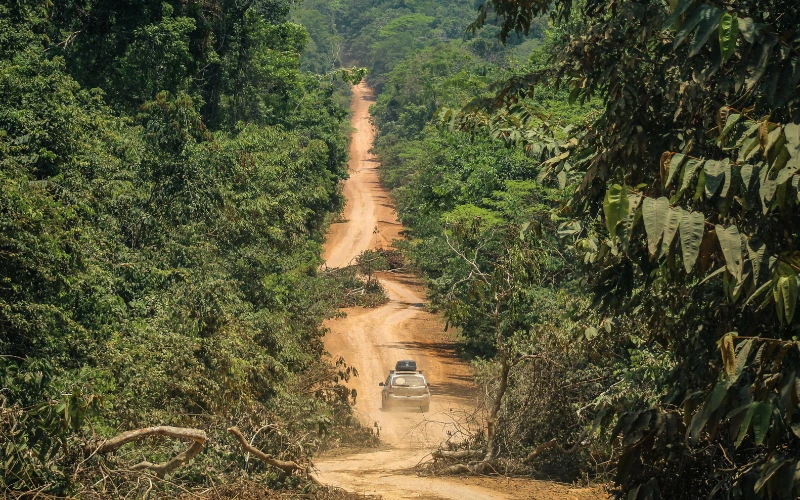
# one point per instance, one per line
(372, 340)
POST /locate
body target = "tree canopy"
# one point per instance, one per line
(167, 172)
(622, 204)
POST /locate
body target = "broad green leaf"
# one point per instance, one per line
(700, 188)
(679, 9)
(786, 287)
(741, 357)
(615, 207)
(712, 403)
(785, 174)
(655, 213)
(759, 291)
(689, 171)
(757, 70)
(757, 252)
(766, 190)
(708, 24)
(788, 394)
(691, 228)
(726, 166)
(674, 167)
(573, 94)
(738, 286)
(701, 13)
(751, 131)
(633, 215)
(775, 141)
(715, 176)
(728, 31)
(731, 244)
(745, 425)
(557, 158)
(749, 147)
(747, 29)
(671, 229)
(730, 123)
(747, 176)
(762, 415)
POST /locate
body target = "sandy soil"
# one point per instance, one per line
(372, 340)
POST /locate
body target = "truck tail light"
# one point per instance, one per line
(391, 389)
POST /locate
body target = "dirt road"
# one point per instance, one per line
(372, 340)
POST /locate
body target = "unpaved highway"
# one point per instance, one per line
(372, 340)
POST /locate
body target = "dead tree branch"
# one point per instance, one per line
(197, 436)
(286, 466)
(553, 443)
(457, 455)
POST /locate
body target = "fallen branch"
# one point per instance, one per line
(539, 450)
(457, 455)
(482, 467)
(167, 467)
(285, 466)
(197, 436)
(457, 469)
(162, 430)
(553, 443)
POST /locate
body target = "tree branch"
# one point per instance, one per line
(286, 467)
(553, 443)
(197, 436)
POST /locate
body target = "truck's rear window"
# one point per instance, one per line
(409, 381)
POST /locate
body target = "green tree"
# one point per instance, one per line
(696, 137)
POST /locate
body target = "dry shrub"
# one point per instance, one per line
(552, 398)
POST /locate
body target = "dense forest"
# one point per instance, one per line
(601, 196)
(167, 172)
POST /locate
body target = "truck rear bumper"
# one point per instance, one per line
(398, 401)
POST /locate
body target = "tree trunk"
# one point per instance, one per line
(491, 423)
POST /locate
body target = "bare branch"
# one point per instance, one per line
(553, 443)
(112, 444)
(197, 436)
(457, 455)
(285, 466)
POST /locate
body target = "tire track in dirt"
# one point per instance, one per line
(372, 340)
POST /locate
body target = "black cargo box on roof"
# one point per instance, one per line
(406, 365)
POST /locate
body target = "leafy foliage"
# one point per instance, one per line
(161, 238)
(699, 119)
(677, 187)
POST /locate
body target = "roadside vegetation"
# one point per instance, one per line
(167, 172)
(604, 208)
(601, 195)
